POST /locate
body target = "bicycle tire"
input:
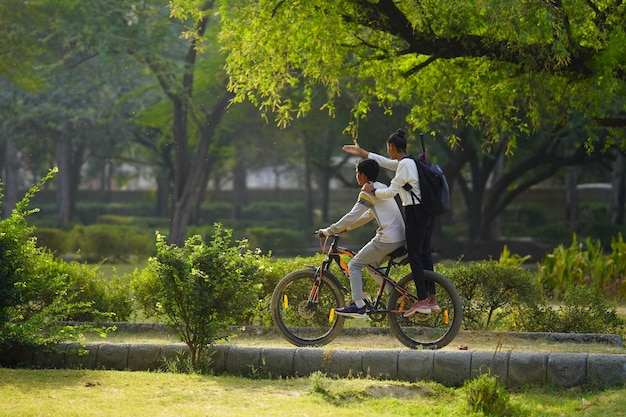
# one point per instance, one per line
(297, 322)
(427, 331)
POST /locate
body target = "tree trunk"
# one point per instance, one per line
(69, 162)
(188, 186)
(240, 187)
(8, 175)
(63, 159)
(163, 194)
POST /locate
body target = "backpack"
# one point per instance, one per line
(435, 193)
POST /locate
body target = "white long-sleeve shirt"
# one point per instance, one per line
(406, 171)
(369, 207)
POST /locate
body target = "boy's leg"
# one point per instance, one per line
(371, 253)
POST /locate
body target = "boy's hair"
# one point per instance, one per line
(398, 139)
(369, 168)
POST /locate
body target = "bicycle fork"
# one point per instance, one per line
(315, 290)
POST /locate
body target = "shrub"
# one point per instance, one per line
(583, 310)
(519, 219)
(113, 242)
(88, 212)
(56, 240)
(491, 291)
(553, 233)
(268, 210)
(136, 221)
(217, 210)
(33, 297)
(280, 241)
(199, 288)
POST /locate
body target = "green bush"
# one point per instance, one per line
(268, 210)
(108, 298)
(279, 241)
(56, 240)
(553, 233)
(491, 291)
(111, 242)
(583, 310)
(517, 220)
(34, 296)
(216, 211)
(88, 212)
(201, 288)
(99, 299)
(136, 221)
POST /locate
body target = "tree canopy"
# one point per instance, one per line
(504, 67)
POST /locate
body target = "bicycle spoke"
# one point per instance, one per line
(433, 330)
(302, 321)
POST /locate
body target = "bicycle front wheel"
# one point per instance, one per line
(427, 331)
(305, 323)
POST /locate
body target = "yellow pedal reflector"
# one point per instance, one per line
(401, 307)
(446, 319)
(331, 315)
(285, 301)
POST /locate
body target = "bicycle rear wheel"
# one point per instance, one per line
(427, 331)
(303, 323)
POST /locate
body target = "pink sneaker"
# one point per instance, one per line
(433, 304)
(422, 307)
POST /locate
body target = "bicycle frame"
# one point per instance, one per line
(334, 255)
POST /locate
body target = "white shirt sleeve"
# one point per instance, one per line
(406, 172)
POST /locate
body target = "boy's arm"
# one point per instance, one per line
(358, 216)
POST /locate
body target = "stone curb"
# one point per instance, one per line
(609, 339)
(451, 368)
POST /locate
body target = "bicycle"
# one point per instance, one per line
(304, 301)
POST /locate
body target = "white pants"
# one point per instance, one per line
(374, 253)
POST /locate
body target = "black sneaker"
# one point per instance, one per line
(352, 311)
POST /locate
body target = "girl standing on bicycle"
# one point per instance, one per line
(418, 223)
(389, 235)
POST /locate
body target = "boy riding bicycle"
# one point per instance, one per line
(389, 236)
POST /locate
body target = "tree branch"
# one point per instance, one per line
(424, 64)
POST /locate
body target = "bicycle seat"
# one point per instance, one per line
(399, 256)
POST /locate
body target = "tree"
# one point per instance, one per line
(487, 195)
(21, 25)
(198, 104)
(477, 63)
(506, 71)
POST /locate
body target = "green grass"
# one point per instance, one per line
(114, 393)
